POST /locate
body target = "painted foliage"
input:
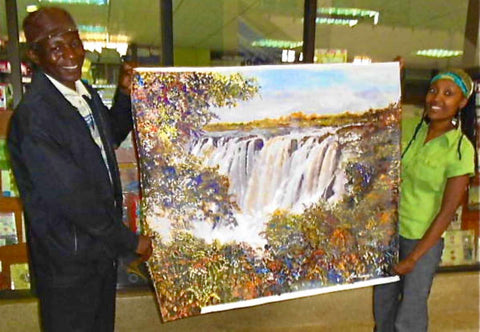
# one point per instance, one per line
(266, 183)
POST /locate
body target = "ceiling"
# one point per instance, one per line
(229, 26)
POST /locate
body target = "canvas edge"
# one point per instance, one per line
(296, 295)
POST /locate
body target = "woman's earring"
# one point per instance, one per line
(456, 120)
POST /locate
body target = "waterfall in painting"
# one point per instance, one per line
(273, 171)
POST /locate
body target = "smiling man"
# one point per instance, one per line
(62, 141)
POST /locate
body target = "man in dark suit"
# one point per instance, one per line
(62, 141)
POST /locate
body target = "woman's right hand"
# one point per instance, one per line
(405, 266)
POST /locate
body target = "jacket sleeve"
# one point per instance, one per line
(46, 171)
(121, 117)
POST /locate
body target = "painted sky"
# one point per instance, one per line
(320, 89)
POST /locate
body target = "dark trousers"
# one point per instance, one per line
(402, 306)
(88, 307)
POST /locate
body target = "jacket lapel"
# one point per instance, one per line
(69, 115)
(96, 105)
(60, 106)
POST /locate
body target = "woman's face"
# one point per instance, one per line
(444, 99)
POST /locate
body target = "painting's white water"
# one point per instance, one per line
(268, 172)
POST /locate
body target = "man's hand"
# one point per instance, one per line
(144, 247)
(125, 78)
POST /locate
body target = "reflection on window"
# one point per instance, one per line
(85, 2)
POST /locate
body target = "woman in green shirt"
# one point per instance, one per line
(436, 166)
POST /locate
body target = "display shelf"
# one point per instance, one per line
(4, 120)
(16, 253)
(9, 255)
(459, 268)
(14, 204)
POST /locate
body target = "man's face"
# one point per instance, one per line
(61, 53)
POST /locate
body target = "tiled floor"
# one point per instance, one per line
(454, 306)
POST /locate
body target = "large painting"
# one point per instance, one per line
(267, 183)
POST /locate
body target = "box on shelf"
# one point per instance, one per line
(8, 184)
(459, 247)
(19, 276)
(6, 97)
(456, 223)
(8, 229)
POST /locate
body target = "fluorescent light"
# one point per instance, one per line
(85, 2)
(103, 37)
(362, 59)
(348, 13)
(439, 53)
(288, 55)
(97, 46)
(92, 28)
(274, 43)
(336, 21)
(96, 41)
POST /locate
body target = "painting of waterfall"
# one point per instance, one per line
(267, 183)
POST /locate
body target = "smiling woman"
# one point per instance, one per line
(444, 98)
(436, 166)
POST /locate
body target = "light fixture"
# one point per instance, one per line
(97, 46)
(439, 53)
(274, 43)
(92, 28)
(31, 8)
(84, 2)
(288, 56)
(345, 16)
(96, 41)
(336, 21)
(362, 59)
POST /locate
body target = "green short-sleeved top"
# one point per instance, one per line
(425, 170)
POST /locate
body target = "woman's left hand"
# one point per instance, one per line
(405, 266)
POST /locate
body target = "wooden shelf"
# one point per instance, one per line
(9, 255)
(4, 120)
(13, 204)
(17, 253)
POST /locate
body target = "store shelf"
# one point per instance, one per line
(4, 120)
(13, 254)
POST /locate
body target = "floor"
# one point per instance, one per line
(454, 306)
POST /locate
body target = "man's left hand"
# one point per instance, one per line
(125, 79)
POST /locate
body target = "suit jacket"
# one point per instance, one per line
(73, 210)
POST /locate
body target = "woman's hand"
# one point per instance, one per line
(405, 266)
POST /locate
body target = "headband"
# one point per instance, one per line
(464, 83)
(54, 34)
